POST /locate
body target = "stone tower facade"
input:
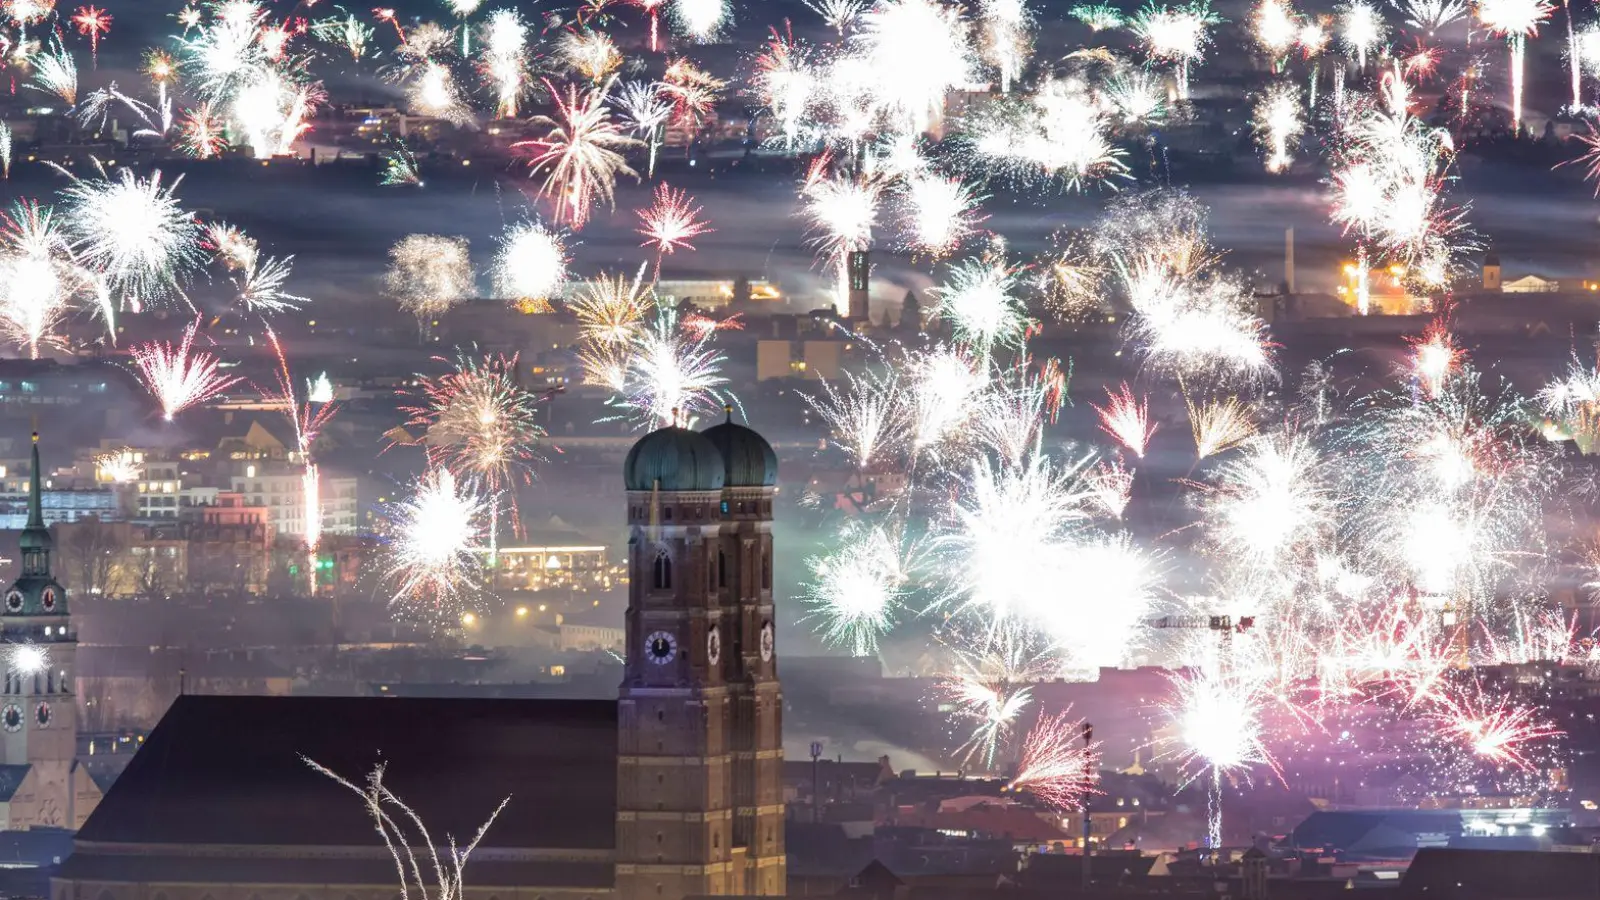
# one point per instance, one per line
(699, 780)
(38, 712)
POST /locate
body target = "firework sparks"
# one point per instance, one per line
(701, 20)
(480, 424)
(92, 22)
(671, 223)
(179, 376)
(1434, 357)
(672, 374)
(531, 265)
(1361, 30)
(1494, 727)
(433, 562)
(839, 14)
(54, 72)
(133, 233)
(979, 300)
(610, 309)
(1059, 764)
(202, 135)
(942, 213)
(428, 274)
(1278, 124)
(866, 415)
(42, 279)
(580, 155)
(1127, 418)
(1176, 34)
(1219, 426)
(916, 50)
(858, 588)
(591, 54)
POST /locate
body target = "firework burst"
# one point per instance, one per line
(179, 376)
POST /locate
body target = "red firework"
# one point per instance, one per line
(92, 22)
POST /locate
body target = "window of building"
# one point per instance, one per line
(663, 571)
(766, 573)
(722, 569)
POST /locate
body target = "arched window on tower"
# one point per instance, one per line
(766, 570)
(663, 571)
(722, 569)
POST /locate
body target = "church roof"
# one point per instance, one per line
(673, 459)
(229, 770)
(748, 460)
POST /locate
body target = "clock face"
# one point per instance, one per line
(47, 599)
(713, 645)
(766, 642)
(659, 647)
(11, 717)
(14, 600)
(41, 714)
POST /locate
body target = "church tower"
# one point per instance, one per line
(38, 712)
(699, 790)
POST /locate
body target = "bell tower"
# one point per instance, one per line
(38, 712)
(675, 816)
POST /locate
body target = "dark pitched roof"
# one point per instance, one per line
(228, 770)
(1437, 874)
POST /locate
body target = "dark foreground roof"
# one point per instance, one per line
(1440, 874)
(228, 770)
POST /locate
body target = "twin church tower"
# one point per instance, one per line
(700, 713)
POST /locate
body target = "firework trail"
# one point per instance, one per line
(393, 817)
(92, 22)
(1361, 30)
(990, 689)
(400, 168)
(1218, 716)
(842, 211)
(179, 376)
(1516, 21)
(866, 415)
(1004, 41)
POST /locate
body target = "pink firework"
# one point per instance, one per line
(671, 223)
(92, 22)
(1059, 762)
(704, 327)
(1493, 727)
(1127, 418)
(1434, 356)
(180, 376)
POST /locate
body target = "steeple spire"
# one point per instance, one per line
(35, 492)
